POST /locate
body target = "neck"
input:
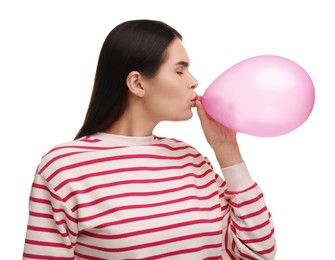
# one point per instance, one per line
(133, 122)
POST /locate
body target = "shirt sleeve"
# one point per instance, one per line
(52, 228)
(248, 227)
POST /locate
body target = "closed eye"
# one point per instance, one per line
(181, 66)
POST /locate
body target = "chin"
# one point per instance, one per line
(190, 116)
(186, 116)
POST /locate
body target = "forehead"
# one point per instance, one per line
(176, 53)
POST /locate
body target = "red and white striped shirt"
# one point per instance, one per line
(117, 197)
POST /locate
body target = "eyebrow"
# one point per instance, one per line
(182, 63)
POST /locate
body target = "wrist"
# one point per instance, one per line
(228, 155)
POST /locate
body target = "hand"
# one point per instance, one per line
(222, 139)
(215, 133)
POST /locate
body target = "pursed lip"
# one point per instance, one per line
(195, 98)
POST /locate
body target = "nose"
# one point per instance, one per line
(193, 82)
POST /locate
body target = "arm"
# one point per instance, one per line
(52, 229)
(249, 231)
(248, 228)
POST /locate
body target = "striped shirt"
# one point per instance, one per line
(117, 197)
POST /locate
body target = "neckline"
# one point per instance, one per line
(124, 140)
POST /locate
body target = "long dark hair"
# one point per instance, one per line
(136, 45)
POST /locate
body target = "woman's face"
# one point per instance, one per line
(170, 95)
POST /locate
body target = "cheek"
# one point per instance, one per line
(168, 106)
(173, 101)
(168, 92)
(168, 98)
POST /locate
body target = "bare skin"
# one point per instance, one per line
(170, 96)
(222, 139)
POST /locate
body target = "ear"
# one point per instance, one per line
(134, 83)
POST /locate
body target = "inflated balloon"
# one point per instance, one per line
(262, 96)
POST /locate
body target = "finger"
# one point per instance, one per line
(203, 115)
(200, 109)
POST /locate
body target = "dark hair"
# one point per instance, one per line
(136, 45)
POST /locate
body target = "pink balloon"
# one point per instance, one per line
(263, 96)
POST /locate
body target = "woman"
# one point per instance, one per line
(120, 192)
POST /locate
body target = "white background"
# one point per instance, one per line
(48, 56)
